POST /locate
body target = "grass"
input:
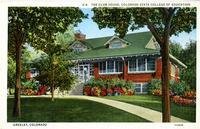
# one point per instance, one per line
(155, 103)
(68, 110)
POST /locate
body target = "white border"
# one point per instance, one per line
(79, 3)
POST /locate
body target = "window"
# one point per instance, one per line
(91, 70)
(78, 49)
(110, 67)
(132, 65)
(116, 44)
(141, 88)
(150, 64)
(102, 67)
(137, 88)
(144, 87)
(141, 64)
(118, 66)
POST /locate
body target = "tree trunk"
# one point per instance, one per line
(165, 83)
(17, 102)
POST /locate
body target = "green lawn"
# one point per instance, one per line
(154, 102)
(68, 110)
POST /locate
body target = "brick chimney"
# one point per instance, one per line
(79, 36)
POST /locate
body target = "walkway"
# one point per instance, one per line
(145, 113)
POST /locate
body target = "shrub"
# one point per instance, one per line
(155, 84)
(87, 90)
(96, 91)
(157, 92)
(103, 91)
(91, 82)
(110, 92)
(120, 83)
(130, 92)
(190, 94)
(99, 82)
(109, 87)
(111, 83)
(130, 85)
(29, 85)
(42, 90)
(179, 88)
(182, 101)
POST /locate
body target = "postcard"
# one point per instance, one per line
(99, 64)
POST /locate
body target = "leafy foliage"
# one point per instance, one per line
(187, 56)
(40, 24)
(179, 88)
(37, 26)
(134, 18)
(155, 84)
(55, 62)
(11, 72)
(29, 85)
(176, 50)
(162, 22)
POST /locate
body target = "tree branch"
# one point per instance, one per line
(165, 10)
(155, 33)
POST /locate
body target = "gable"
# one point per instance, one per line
(116, 42)
(78, 46)
(153, 44)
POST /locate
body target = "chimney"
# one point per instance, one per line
(79, 36)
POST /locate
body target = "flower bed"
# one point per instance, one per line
(190, 94)
(30, 88)
(179, 92)
(183, 101)
(108, 87)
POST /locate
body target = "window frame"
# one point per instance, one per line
(141, 87)
(118, 42)
(114, 68)
(137, 67)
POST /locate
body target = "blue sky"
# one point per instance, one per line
(91, 30)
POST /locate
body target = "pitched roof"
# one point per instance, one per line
(137, 43)
(137, 46)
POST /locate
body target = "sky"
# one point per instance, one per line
(91, 30)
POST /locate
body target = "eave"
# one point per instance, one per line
(177, 61)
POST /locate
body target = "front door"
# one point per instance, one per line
(84, 72)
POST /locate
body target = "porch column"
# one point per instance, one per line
(96, 71)
(125, 70)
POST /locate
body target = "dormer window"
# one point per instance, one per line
(77, 46)
(77, 49)
(116, 44)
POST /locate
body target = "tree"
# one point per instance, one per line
(36, 26)
(188, 56)
(176, 50)
(162, 22)
(54, 62)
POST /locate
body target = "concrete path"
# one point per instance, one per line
(145, 113)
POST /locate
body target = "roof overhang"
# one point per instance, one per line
(115, 57)
(177, 61)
